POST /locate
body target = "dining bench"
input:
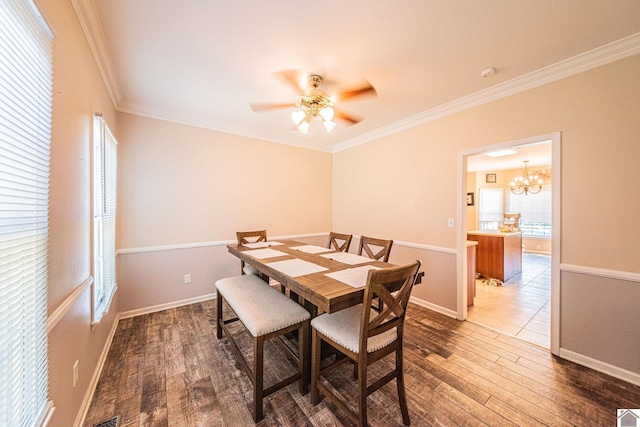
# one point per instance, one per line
(265, 313)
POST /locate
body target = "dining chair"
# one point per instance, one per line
(245, 237)
(365, 336)
(339, 242)
(378, 249)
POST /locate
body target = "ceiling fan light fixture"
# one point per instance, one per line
(329, 125)
(303, 127)
(297, 117)
(314, 102)
(327, 113)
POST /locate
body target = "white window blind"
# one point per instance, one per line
(25, 134)
(105, 192)
(491, 208)
(535, 211)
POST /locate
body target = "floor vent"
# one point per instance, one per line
(111, 422)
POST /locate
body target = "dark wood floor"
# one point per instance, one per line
(168, 369)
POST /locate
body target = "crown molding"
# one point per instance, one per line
(594, 58)
(90, 23)
(137, 109)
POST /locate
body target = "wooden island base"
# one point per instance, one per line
(498, 255)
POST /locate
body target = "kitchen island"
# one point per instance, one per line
(498, 254)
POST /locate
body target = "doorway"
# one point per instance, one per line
(534, 271)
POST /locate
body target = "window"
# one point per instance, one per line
(105, 180)
(25, 140)
(535, 210)
(491, 208)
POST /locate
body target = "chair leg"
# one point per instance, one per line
(362, 394)
(303, 355)
(316, 344)
(219, 316)
(258, 379)
(402, 397)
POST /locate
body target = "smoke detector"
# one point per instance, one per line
(488, 72)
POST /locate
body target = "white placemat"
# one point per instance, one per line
(264, 253)
(311, 249)
(355, 277)
(347, 258)
(257, 245)
(296, 267)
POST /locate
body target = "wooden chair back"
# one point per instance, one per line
(245, 237)
(339, 242)
(378, 249)
(393, 286)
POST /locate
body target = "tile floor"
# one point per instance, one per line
(521, 307)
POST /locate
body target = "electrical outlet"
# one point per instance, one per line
(187, 278)
(450, 223)
(75, 373)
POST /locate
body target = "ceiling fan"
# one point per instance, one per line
(315, 102)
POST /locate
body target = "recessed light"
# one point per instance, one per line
(505, 152)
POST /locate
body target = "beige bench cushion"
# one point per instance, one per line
(343, 327)
(261, 308)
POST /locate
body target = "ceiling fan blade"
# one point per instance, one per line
(347, 117)
(265, 107)
(365, 89)
(296, 79)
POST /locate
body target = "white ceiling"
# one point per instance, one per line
(202, 62)
(538, 154)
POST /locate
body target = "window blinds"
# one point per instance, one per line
(25, 134)
(105, 194)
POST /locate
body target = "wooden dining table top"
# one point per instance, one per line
(321, 291)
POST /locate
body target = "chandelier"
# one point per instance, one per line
(528, 182)
(317, 103)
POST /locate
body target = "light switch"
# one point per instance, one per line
(450, 222)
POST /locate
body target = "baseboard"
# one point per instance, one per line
(86, 401)
(161, 307)
(597, 365)
(434, 307)
(537, 252)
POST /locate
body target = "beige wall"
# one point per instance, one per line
(182, 185)
(596, 112)
(194, 188)
(78, 92)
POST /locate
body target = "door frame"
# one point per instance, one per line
(461, 236)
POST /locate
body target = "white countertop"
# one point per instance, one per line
(495, 233)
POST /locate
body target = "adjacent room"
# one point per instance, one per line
(198, 199)
(510, 199)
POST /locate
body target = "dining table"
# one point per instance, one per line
(322, 279)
